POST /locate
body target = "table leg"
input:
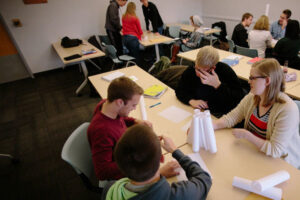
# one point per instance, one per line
(85, 72)
(157, 52)
(210, 39)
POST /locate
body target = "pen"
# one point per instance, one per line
(154, 105)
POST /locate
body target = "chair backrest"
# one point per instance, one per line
(298, 104)
(231, 45)
(105, 39)
(111, 51)
(174, 31)
(76, 152)
(246, 51)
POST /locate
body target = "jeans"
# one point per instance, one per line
(133, 45)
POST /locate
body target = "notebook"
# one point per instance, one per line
(112, 76)
(254, 60)
(155, 91)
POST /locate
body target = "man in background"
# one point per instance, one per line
(278, 27)
(240, 35)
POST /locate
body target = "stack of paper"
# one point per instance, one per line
(155, 91)
(263, 186)
(201, 133)
(112, 76)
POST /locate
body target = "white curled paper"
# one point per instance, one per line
(143, 108)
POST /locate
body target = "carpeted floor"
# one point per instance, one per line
(37, 116)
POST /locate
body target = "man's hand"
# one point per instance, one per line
(240, 133)
(198, 104)
(157, 33)
(284, 23)
(144, 122)
(210, 79)
(170, 169)
(167, 144)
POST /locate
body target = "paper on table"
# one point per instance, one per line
(113, 76)
(245, 184)
(197, 158)
(234, 57)
(210, 134)
(134, 78)
(175, 114)
(270, 181)
(143, 108)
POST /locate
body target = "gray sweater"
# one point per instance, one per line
(112, 17)
(197, 186)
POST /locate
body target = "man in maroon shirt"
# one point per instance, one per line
(110, 121)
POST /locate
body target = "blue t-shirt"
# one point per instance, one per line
(276, 31)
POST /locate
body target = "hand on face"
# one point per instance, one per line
(170, 169)
(284, 23)
(211, 79)
(198, 104)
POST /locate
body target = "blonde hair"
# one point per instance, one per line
(130, 10)
(207, 56)
(270, 68)
(262, 23)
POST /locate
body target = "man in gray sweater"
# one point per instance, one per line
(138, 155)
(113, 24)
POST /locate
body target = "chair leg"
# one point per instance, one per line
(13, 160)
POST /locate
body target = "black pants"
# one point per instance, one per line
(116, 40)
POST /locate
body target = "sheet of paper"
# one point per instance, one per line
(113, 76)
(197, 158)
(175, 114)
(134, 78)
(234, 57)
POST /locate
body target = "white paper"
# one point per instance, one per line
(113, 76)
(143, 108)
(197, 158)
(202, 134)
(267, 9)
(270, 181)
(209, 132)
(196, 134)
(175, 114)
(234, 57)
(245, 184)
(134, 78)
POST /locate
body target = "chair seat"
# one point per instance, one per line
(126, 57)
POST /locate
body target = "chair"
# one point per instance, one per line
(105, 39)
(76, 152)
(246, 51)
(111, 52)
(174, 32)
(231, 45)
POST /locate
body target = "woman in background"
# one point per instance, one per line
(193, 41)
(132, 31)
(287, 48)
(271, 117)
(260, 37)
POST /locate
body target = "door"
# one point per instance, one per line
(11, 65)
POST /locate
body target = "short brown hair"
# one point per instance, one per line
(138, 153)
(246, 16)
(207, 56)
(123, 88)
(287, 12)
(270, 68)
(262, 23)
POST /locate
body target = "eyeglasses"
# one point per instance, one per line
(251, 78)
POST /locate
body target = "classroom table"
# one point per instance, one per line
(64, 52)
(238, 157)
(189, 28)
(160, 124)
(242, 69)
(150, 39)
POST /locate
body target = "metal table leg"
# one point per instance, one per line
(85, 72)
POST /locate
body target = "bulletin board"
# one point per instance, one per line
(35, 1)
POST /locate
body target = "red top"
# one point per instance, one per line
(131, 26)
(103, 134)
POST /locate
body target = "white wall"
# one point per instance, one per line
(232, 10)
(44, 24)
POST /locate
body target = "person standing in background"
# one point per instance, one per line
(278, 28)
(113, 25)
(151, 13)
(240, 35)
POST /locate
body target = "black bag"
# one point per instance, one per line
(66, 42)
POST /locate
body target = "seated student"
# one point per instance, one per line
(278, 27)
(138, 155)
(132, 31)
(189, 43)
(109, 122)
(271, 117)
(210, 84)
(240, 35)
(287, 48)
(260, 37)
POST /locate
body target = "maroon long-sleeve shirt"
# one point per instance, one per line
(103, 134)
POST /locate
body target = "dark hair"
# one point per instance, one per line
(292, 30)
(138, 153)
(246, 16)
(287, 12)
(123, 88)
